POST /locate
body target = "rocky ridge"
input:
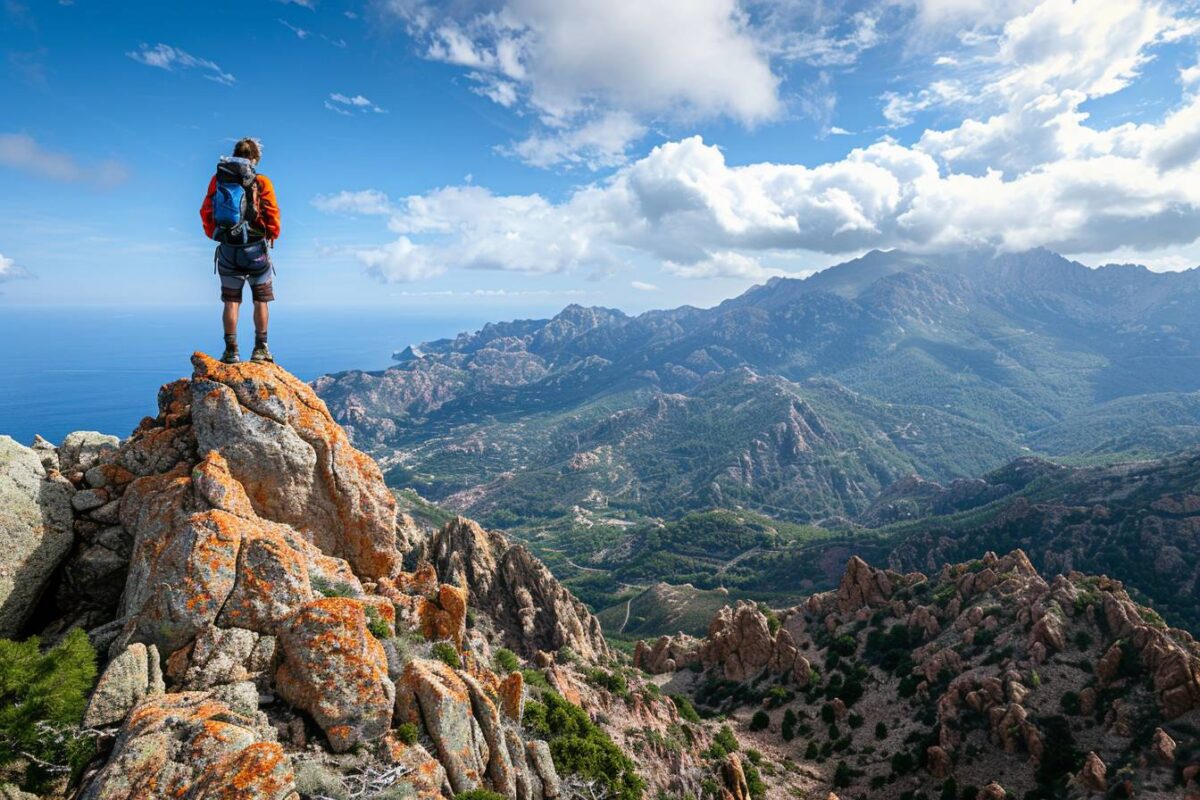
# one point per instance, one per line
(983, 674)
(238, 565)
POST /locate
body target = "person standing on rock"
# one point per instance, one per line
(240, 213)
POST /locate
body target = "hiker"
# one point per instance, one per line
(241, 215)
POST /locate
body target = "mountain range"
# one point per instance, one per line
(799, 399)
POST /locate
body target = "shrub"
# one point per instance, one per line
(42, 698)
(760, 721)
(614, 682)
(844, 645)
(777, 696)
(535, 678)
(881, 730)
(397, 791)
(407, 732)
(1070, 703)
(723, 744)
(579, 747)
(903, 763)
(1083, 640)
(754, 781)
(506, 660)
(685, 708)
(446, 653)
(827, 714)
(479, 794)
(843, 776)
(811, 752)
(376, 624)
(314, 779)
(788, 727)
(332, 588)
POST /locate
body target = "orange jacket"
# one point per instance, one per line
(268, 209)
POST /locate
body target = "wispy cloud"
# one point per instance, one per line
(309, 4)
(164, 56)
(642, 286)
(300, 32)
(22, 152)
(368, 202)
(346, 105)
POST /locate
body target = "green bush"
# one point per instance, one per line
(614, 682)
(723, 743)
(446, 653)
(42, 698)
(881, 730)
(760, 721)
(579, 747)
(506, 660)
(754, 781)
(1070, 703)
(535, 678)
(685, 708)
(332, 588)
(407, 732)
(376, 624)
(479, 794)
(788, 727)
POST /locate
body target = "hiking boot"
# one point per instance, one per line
(261, 354)
(230, 356)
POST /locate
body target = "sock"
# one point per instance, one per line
(231, 341)
(260, 338)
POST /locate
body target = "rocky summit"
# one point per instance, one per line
(237, 565)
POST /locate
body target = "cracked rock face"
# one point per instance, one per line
(295, 462)
(192, 745)
(534, 610)
(35, 531)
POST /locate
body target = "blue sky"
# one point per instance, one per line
(518, 155)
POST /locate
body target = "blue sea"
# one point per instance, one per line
(64, 369)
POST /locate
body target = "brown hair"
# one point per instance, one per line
(248, 148)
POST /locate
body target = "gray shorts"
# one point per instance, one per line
(231, 263)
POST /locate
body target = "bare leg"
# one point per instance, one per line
(229, 318)
(261, 315)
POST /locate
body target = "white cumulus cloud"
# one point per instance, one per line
(594, 72)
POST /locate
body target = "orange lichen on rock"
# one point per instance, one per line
(512, 696)
(334, 669)
(189, 745)
(260, 416)
(446, 616)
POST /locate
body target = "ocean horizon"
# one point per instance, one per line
(64, 368)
